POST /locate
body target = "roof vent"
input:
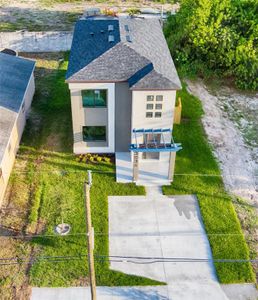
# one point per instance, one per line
(92, 33)
(128, 38)
(110, 27)
(111, 38)
(102, 31)
(127, 28)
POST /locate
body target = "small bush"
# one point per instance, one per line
(99, 159)
(133, 11)
(92, 158)
(106, 159)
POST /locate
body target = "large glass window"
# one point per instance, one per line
(94, 98)
(94, 133)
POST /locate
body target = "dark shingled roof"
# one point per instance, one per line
(113, 65)
(143, 59)
(87, 47)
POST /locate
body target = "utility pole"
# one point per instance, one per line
(90, 236)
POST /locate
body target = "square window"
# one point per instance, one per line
(149, 106)
(94, 98)
(159, 98)
(149, 114)
(157, 114)
(94, 133)
(158, 106)
(150, 98)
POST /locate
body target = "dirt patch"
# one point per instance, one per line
(237, 160)
(45, 15)
(229, 116)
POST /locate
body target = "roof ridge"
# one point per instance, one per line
(119, 44)
(153, 70)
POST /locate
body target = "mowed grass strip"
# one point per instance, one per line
(219, 216)
(58, 184)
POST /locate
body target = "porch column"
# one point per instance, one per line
(171, 167)
(135, 166)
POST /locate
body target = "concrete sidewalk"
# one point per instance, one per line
(103, 293)
(163, 226)
(233, 291)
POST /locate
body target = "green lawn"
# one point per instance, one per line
(220, 219)
(54, 183)
(47, 184)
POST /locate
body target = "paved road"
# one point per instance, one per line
(163, 226)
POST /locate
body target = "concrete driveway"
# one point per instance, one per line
(166, 227)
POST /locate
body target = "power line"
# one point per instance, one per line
(177, 259)
(118, 258)
(31, 236)
(109, 172)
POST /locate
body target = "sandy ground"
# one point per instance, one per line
(229, 118)
(40, 15)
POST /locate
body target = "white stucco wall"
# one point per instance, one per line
(12, 147)
(93, 116)
(139, 120)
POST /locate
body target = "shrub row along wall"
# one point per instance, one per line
(25, 41)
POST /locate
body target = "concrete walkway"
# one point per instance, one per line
(149, 173)
(163, 226)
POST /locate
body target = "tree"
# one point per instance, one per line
(216, 35)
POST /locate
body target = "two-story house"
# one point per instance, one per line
(123, 86)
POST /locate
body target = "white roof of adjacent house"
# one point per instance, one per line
(15, 74)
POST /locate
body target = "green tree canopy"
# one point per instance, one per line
(217, 35)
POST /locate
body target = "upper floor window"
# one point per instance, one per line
(158, 106)
(156, 103)
(94, 98)
(150, 98)
(149, 106)
(159, 98)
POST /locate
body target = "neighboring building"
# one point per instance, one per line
(16, 93)
(123, 85)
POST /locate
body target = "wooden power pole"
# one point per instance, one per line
(90, 237)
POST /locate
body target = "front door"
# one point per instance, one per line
(150, 138)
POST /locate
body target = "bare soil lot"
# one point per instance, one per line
(43, 15)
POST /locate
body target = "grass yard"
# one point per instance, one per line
(218, 213)
(47, 185)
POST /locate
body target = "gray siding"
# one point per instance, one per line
(123, 112)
